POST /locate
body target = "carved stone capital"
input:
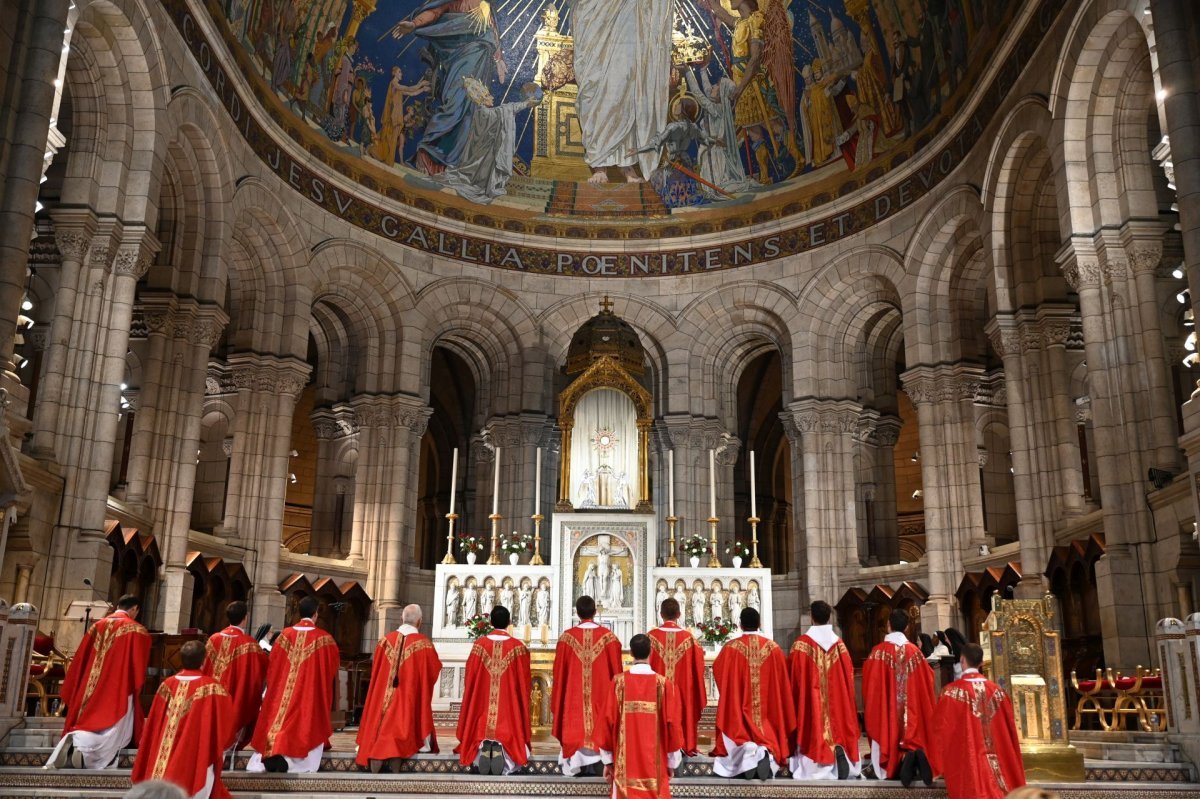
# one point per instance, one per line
(392, 412)
(832, 417)
(887, 431)
(1082, 272)
(268, 374)
(72, 244)
(1145, 256)
(1055, 332)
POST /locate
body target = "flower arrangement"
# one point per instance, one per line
(471, 543)
(478, 626)
(515, 543)
(737, 549)
(695, 546)
(716, 631)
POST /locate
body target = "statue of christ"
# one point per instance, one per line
(623, 70)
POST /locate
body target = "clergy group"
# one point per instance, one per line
(630, 726)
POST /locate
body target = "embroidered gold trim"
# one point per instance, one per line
(104, 641)
(296, 656)
(824, 661)
(587, 651)
(406, 652)
(983, 707)
(495, 667)
(222, 656)
(179, 704)
(672, 650)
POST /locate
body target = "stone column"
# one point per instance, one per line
(161, 477)
(822, 435)
(886, 546)
(38, 57)
(267, 389)
(1122, 471)
(943, 396)
(390, 430)
(519, 437)
(332, 426)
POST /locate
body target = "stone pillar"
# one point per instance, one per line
(332, 426)
(943, 396)
(886, 545)
(38, 57)
(692, 437)
(1115, 396)
(161, 478)
(88, 413)
(822, 435)
(267, 389)
(390, 430)
(519, 437)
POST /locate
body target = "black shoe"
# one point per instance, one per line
(908, 769)
(276, 764)
(843, 763)
(485, 758)
(924, 768)
(763, 771)
(495, 755)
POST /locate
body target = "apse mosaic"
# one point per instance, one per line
(627, 109)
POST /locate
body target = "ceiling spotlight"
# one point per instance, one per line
(26, 305)
(292, 478)
(1182, 297)
(295, 454)
(918, 494)
(1177, 273)
(124, 386)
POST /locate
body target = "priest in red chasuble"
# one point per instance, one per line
(493, 723)
(826, 712)
(979, 751)
(239, 663)
(101, 690)
(397, 719)
(189, 725)
(294, 726)
(898, 698)
(586, 660)
(638, 729)
(756, 712)
(675, 655)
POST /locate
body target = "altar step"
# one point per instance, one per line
(1132, 747)
(111, 784)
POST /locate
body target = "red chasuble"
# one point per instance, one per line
(756, 700)
(236, 660)
(295, 716)
(109, 667)
(976, 738)
(187, 730)
(641, 728)
(675, 654)
(495, 703)
(398, 716)
(826, 713)
(898, 700)
(587, 658)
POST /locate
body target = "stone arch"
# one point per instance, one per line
(121, 81)
(942, 259)
(832, 321)
(1100, 97)
(731, 322)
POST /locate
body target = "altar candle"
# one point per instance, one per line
(712, 484)
(753, 486)
(671, 482)
(453, 477)
(537, 483)
(496, 485)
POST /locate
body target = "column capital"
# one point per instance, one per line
(334, 422)
(136, 251)
(523, 429)
(837, 417)
(887, 430)
(1003, 330)
(268, 374)
(1080, 263)
(392, 411)
(942, 383)
(701, 432)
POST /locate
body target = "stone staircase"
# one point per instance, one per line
(1140, 756)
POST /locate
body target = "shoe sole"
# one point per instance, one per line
(763, 770)
(843, 763)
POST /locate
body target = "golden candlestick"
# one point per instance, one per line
(449, 559)
(672, 561)
(713, 561)
(494, 559)
(755, 563)
(536, 560)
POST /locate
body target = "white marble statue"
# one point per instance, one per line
(470, 601)
(716, 602)
(735, 601)
(453, 598)
(488, 600)
(660, 597)
(589, 581)
(681, 598)
(621, 494)
(526, 599)
(753, 599)
(543, 604)
(698, 604)
(587, 489)
(508, 598)
(616, 588)
(603, 551)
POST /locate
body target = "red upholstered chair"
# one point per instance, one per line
(46, 672)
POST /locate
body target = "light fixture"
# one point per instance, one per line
(1182, 297)
(1162, 94)
(1191, 359)
(27, 304)
(1177, 273)
(24, 362)
(295, 454)
(124, 386)
(984, 550)
(918, 494)
(916, 457)
(292, 478)
(1189, 343)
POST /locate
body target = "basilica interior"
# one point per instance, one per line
(962, 371)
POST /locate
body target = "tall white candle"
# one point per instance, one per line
(712, 484)
(496, 484)
(537, 483)
(671, 482)
(453, 478)
(753, 488)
